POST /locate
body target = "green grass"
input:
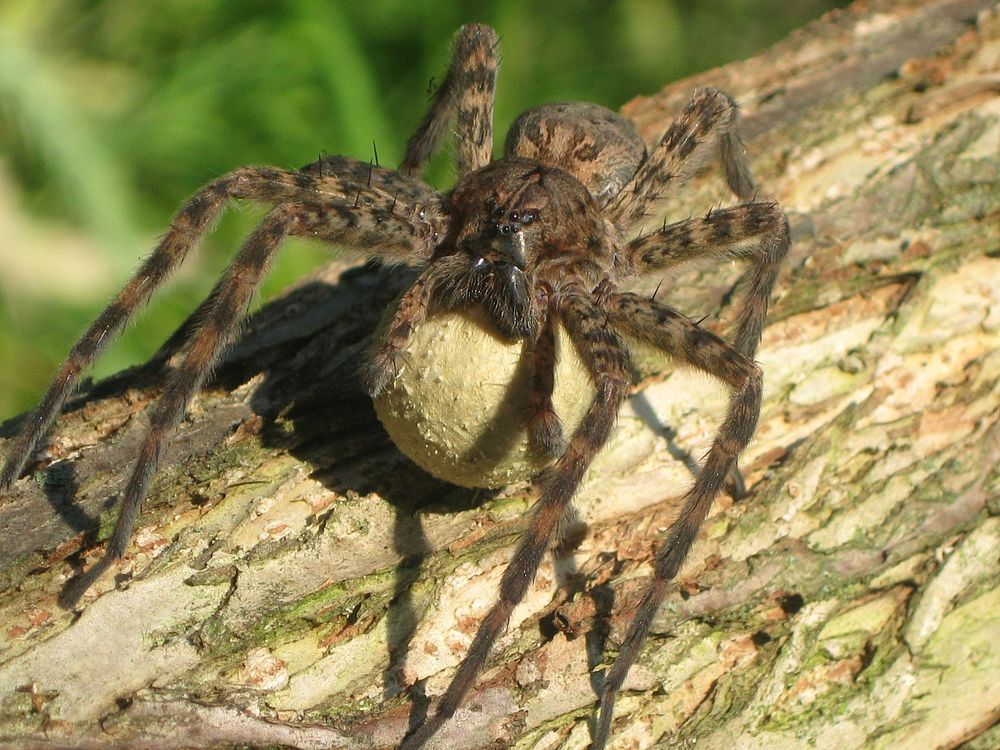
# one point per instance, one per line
(113, 112)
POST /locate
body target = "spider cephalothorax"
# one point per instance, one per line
(536, 242)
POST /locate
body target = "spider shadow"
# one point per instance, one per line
(645, 411)
(51, 506)
(572, 580)
(60, 485)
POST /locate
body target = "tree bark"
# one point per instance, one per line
(295, 581)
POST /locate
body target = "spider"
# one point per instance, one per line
(534, 239)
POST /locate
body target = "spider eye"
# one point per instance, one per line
(528, 217)
(514, 216)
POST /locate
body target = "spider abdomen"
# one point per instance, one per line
(597, 146)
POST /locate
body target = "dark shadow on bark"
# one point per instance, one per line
(60, 486)
(646, 412)
(735, 486)
(603, 597)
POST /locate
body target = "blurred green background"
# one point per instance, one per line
(113, 112)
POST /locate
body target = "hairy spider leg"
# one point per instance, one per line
(193, 220)
(707, 126)
(675, 334)
(376, 229)
(413, 307)
(599, 346)
(467, 91)
(355, 181)
(544, 424)
(757, 232)
(369, 182)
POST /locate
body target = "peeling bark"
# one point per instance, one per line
(296, 582)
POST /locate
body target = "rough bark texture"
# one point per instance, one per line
(294, 576)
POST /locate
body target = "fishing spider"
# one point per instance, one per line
(534, 238)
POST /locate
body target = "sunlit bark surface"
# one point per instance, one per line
(297, 582)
